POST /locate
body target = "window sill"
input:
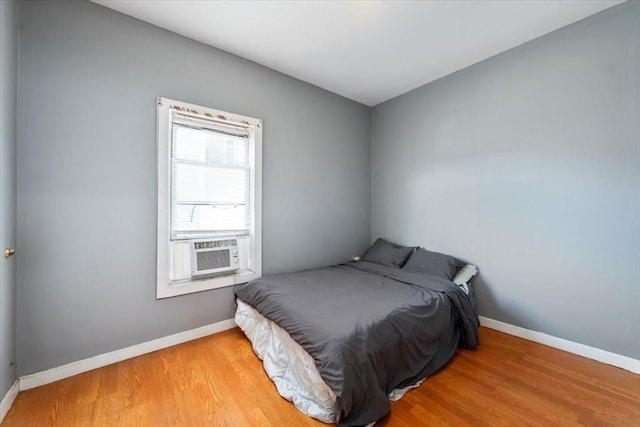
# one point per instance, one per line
(182, 288)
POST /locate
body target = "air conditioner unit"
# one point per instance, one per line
(214, 256)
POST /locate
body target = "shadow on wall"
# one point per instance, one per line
(487, 302)
(484, 295)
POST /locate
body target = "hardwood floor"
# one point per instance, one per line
(218, 381)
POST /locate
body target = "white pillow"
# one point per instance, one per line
(463, 276)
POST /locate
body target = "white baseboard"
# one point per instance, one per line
(8, 399)
(75, 368)
(603, 356)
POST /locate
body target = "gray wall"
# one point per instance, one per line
(528, 164)
(88, 79)
(8, 67)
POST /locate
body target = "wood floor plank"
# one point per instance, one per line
(218, 381)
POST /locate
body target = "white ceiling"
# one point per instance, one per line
(368, 51)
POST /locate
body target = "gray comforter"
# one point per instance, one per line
(369, 328)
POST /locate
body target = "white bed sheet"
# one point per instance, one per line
(291, 368)
(287, 364)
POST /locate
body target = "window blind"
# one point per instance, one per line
(210, 178)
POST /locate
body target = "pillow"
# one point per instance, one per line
(465, 274)
(441, 265)
(385, 252)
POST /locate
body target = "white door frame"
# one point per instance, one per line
(8, 124)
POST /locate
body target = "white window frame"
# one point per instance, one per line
(166, 288)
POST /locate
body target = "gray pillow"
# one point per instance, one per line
(441, 265)
(385, 252)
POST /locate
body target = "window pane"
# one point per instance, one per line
(210, 181)
(207, 146)
(209, 218)
(209, 184)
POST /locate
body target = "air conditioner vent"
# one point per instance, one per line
(208, 260)
(212, 257)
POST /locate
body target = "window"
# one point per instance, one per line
(209, 198)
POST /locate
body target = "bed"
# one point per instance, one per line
(341, 341)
